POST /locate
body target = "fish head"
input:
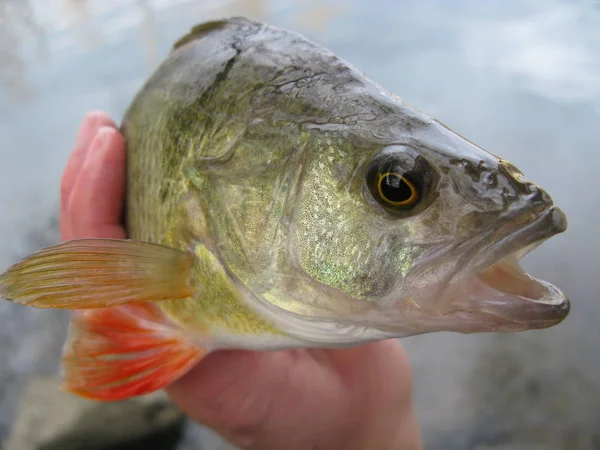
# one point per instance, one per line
(348, 215)
(415, 229)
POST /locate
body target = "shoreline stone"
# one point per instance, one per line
(50, 419)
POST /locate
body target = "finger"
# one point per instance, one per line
(91, 124)
(230, 391)
(97, 199)
(243, 394)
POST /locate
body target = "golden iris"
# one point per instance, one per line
(397, 190)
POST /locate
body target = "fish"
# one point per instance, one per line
(278, 198)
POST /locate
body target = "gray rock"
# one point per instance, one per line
(50, 419)
(199, 437)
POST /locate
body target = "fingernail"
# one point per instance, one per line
(100, 144)
(102, 139)
(103, 134)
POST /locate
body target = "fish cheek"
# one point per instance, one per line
(334, 242)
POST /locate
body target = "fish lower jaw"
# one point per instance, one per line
(501, 297)
(513, 299)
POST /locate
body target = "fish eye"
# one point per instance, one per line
(400, 190)
(401, 180)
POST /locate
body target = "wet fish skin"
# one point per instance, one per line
(253, 157)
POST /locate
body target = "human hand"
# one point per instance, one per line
(354, 398)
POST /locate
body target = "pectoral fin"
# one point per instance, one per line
(96, 273)
(124, 351)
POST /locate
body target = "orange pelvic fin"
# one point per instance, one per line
(124, 351)
(96, 273)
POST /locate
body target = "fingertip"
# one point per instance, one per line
(91, 124)
(97, 200)
(108, 146)
(97, 116)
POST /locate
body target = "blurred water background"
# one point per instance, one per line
(519, 77)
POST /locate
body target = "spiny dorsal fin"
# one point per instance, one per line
(199, 31)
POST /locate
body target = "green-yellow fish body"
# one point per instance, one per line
(278, 198)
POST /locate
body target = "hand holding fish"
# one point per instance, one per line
(348, 398)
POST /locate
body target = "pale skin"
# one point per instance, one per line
(351, 399)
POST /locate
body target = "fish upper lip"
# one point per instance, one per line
(545, 224)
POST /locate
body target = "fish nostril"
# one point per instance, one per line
(545, 197)
(538, 195)
(523, 185)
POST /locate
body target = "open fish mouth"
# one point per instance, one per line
(503, 290)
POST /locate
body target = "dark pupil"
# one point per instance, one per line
(395, 189)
